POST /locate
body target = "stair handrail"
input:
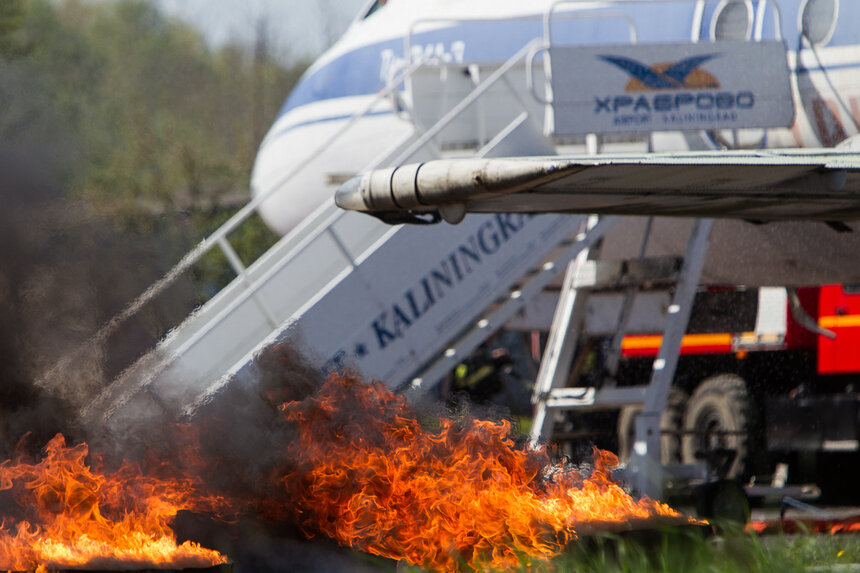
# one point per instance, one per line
(314, 226)
(220, 235)
(471, 98)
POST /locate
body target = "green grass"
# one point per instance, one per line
(688, 551)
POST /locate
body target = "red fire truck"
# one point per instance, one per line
(768, 376)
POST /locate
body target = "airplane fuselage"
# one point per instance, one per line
(316, 141)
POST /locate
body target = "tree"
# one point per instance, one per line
(11, 18)
(149, 138)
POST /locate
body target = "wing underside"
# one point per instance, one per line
(755, 185)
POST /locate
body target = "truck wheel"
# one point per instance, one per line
(718, 417)
(670, 421)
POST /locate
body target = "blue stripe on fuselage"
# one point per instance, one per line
(358, 72)
(318, 120)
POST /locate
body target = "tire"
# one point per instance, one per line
(671, 421)
(719, 404)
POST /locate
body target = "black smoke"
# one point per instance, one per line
(64, 272)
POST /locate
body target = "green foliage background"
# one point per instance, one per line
(137, 116)
(136, 140)
(158, 120)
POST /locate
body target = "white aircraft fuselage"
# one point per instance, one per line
(314, 145)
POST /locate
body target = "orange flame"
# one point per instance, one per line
(71, 516)
(367, 474)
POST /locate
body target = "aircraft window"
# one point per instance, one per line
(732, 20)
(818, 20)
(376, 6)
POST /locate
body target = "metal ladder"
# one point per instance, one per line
(584, 275)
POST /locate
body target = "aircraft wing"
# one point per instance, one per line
(793, 184)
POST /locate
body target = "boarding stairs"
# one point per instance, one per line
(331, 287)
(556, 390)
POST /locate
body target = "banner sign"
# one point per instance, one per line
(670, 87)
